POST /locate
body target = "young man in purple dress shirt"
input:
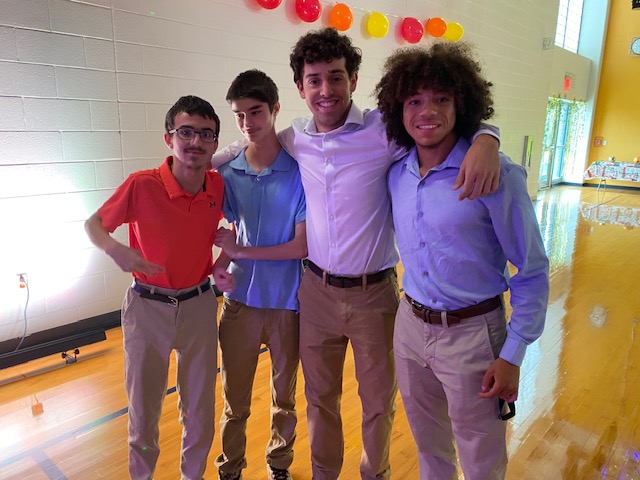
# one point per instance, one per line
(456, 357)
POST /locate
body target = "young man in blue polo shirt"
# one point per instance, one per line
(265, 203)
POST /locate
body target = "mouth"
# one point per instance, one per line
(427, 126)
(326, 103)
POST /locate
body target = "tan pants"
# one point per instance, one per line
(243, 330)
(440, 374)
(330, 317)
(152, 329)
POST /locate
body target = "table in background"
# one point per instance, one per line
(605, 170)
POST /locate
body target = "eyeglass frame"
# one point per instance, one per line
(196, 132)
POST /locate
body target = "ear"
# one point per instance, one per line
(168, 140)
(300, 90)
(276, 108)
(354, 82)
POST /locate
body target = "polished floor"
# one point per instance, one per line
(578, 412)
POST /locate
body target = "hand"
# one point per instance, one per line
(480, 169)
(224, 280)
(130, 260)
(226, 240)
(501, 380)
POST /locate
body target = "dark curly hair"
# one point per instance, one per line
(254, 84)
(191, 105)
(324, 45)
(446, 66)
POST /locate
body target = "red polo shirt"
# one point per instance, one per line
(169, 226)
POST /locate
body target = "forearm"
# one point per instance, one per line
(284, 251)
(99, 236)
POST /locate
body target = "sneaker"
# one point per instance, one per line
(278, 473)
(229, 476)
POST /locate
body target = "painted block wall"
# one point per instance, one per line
(84, 87)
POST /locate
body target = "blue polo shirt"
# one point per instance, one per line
(265, 209)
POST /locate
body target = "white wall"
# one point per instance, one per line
(84, 86)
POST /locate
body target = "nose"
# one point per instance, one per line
(325, 89)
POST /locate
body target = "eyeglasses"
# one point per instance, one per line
(189, 134)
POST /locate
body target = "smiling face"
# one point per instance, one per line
(191, 157)
(429, 117)
(327, 89)
(254, 118)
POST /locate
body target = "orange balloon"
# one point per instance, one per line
(341, 17)
(436, 27)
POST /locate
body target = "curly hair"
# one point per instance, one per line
(324, 45)
(449, 67)
(191, 105)
(254, 84)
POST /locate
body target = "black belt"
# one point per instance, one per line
(452, 316)
(171, 299)
(348, 282)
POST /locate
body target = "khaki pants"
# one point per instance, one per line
(243, 330)
(440, 374)
(330, 317)
(152, 329)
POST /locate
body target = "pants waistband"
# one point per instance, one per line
(452, 317)
(151, 294)
(348, 282)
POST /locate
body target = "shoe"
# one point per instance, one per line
(278, 473)
(229, 476)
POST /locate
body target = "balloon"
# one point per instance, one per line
(341, 17)
(308, 10)
(436, 27)
(412, 30)
(454, 32)
(269, 4)
(377, 25)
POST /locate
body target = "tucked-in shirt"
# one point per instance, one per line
(455, 252)
(265, 209)
(170, 227)
(344, 171)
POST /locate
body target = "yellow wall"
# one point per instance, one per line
(617, 113)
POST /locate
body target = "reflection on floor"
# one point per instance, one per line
(578, 412)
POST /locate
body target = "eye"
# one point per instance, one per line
(186, 132)
(207, 135)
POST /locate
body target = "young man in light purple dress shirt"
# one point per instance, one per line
(456, 357)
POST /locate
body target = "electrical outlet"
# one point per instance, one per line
(23, 279)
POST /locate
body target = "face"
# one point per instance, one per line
(191, 156)
(429, 117)
(327, 89)
(254, 119)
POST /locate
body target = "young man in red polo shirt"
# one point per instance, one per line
(173, 214)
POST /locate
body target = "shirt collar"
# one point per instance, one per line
(173, 187)
(453, 160)
(355, 118)
(282, 163)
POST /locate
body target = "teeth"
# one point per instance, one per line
(427, 127)
(326, 104)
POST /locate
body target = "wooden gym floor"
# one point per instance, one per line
(578, 412)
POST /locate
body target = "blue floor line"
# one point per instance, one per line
(46, 464)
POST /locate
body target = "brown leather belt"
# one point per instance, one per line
(452, 316)
(348, 282)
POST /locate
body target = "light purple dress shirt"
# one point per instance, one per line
(455, 252)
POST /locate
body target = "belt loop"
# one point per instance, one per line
(443, 317)
(324, 277)
(364, 282)
(152, 290)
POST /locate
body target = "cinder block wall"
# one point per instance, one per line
(84, 87)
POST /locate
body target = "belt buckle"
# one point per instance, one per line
(173, 301)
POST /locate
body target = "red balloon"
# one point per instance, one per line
(269, 4)
(308, 10)
(412, 30)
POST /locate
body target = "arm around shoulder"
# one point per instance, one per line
(480, 169)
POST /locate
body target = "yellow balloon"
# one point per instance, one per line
(454, 31)
(377, 25)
